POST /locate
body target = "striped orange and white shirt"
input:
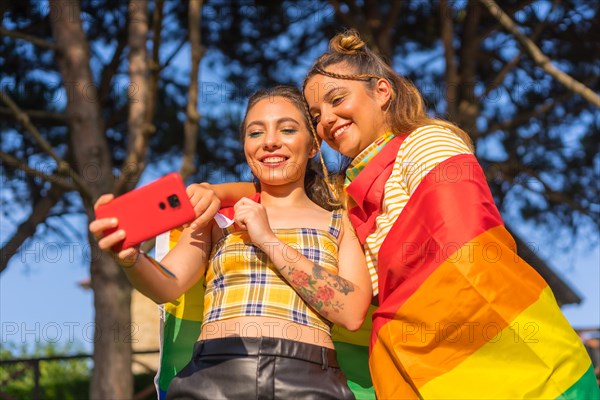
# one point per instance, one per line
(420, 152)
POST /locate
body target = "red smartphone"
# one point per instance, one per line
(149, 210)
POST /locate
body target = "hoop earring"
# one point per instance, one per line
(390, 100)
(389, 104)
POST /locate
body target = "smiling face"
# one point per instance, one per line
(346, 114)
(277, 142)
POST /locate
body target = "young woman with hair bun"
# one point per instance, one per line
(460, 314)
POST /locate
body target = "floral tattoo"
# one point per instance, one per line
(335, 281)
(319, 289)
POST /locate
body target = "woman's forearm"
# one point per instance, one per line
(153, 279)
(334, 297)
(230, 193)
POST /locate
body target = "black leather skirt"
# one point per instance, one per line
(260, 368)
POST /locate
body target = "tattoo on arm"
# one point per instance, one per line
(335, 281)
(319, 289)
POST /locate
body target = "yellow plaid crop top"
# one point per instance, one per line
(242, 281)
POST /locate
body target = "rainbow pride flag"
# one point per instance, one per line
(180, 323)
(180, 328)
(461, 315)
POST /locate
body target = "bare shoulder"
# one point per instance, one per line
(321, 213)
(323, 219)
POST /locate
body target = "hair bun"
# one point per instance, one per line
(348, 42)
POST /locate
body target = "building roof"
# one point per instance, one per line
(563, 293)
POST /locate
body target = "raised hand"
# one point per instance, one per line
(252, 216)
(97, 227)
(205, 202)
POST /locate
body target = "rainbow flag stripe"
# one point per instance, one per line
(180, 327)
(180, 323)
(461, 315)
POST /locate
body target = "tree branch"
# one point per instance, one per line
(452, 78)
(540, 58)
(510, 10)
(54, 179)
(27, 228)
(63, 227)
(550, 194)
(190, 127)
(353, 19)
(138, 130)
(391, 20)
(371, 22)
(38, 114)
(522, 117)
(108, 72)
(497, 81)
(32, 39)
(87, 142)
(467, 107)
(154, 65)
(63, 167)
(385, 28)
(174, 53)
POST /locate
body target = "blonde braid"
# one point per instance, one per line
(332, 188)
(361, 77)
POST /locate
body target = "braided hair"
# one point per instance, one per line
(406, 108)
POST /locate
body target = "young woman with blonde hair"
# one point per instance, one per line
(460, 314)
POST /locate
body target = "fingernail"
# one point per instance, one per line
(113, 221)
(194, 226)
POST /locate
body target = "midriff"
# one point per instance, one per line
(265, 327)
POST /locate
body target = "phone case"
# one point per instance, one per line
(149, 210)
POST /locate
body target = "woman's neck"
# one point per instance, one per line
(284, 196)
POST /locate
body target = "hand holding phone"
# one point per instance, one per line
(148, 210)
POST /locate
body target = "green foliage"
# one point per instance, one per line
(64, 379)
(59, 379)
